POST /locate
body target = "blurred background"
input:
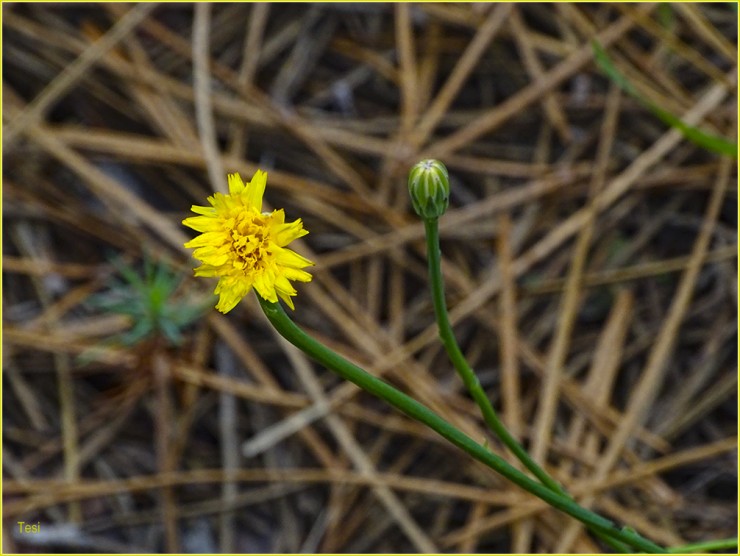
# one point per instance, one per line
(590, 254)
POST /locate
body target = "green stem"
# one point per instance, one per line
(706, 546)
(467, 374)
(377, 387)
(470, 379)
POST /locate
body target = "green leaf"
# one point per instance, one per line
(140, 331)
(171, 332)
(185, 314)
(129, 274)
(707, 141)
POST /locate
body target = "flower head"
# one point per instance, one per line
(429, 188)
(244, 247)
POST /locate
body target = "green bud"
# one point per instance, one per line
(429, 188)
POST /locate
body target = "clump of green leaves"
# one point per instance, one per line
(153, 299)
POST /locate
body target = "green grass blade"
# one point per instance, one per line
(708, 141)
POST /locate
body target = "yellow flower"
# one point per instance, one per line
(244, 247)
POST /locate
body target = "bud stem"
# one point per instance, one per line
(472, 383)
(468, 376)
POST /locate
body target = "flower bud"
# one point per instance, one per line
(429, 188)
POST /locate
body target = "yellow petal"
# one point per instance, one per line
(202, 223)
(219, 201)
(287, 299)
(211, 256)
(227, 301)
(265, 287)
(285, 233)
(288, 257)
(296, 274)
(206, 270)
(231, 290)
(252, 194)
(236, 185)
(278, 217)
(203, 210)
(283, 286)
(208, 238)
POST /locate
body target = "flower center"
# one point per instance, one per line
(250, 241)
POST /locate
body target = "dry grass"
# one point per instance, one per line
(589, 251)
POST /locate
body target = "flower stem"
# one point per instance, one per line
(404, 403)
(467, 374)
